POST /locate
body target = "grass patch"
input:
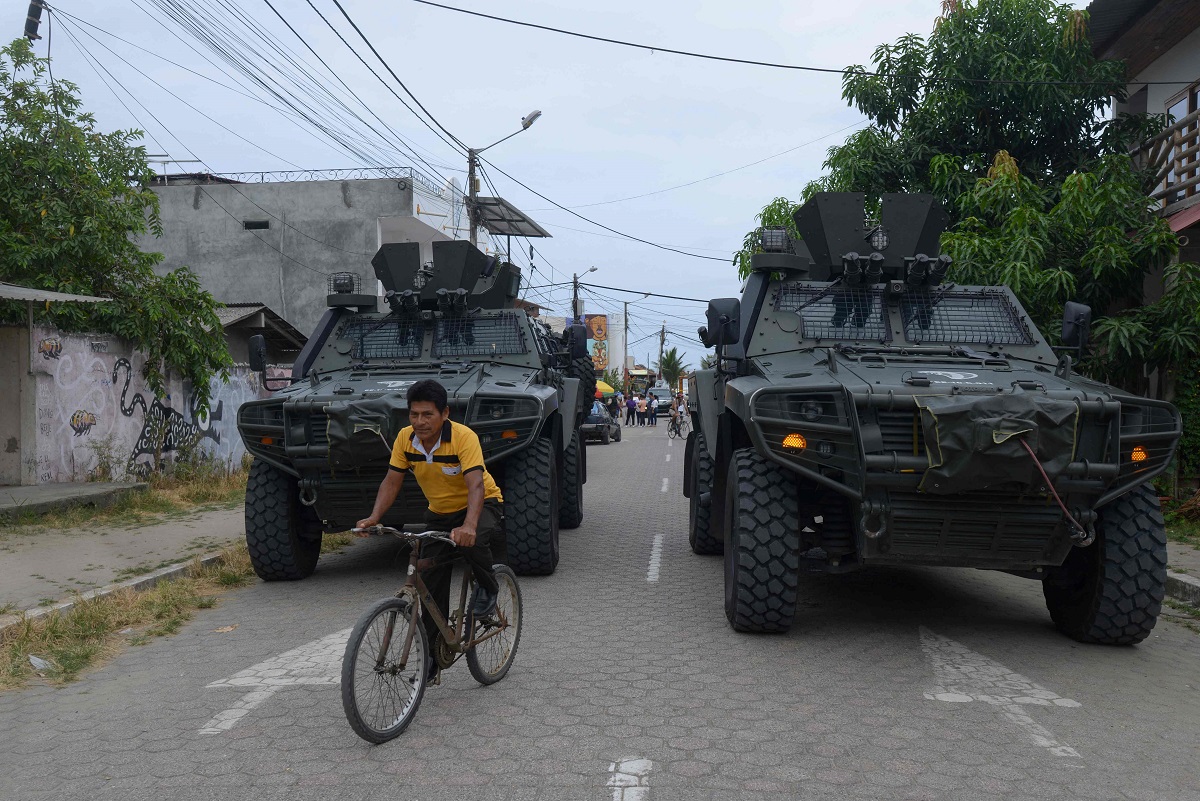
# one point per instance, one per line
(176, 493)
(1185, 615)
(335, 543)
(88, 633)
(1182, 530)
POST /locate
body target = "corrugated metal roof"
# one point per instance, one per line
(230, 314)
(14, 292)
(1107, 19)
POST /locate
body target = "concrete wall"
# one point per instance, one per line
(331, 226)
(16, 405)
(92, 403)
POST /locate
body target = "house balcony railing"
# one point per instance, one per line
(1173, 157)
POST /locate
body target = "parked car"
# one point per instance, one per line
(600, 425)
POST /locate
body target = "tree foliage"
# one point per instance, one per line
(1091, 238)
(72, 198)
(671, 367)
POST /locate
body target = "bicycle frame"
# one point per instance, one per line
(417, 592)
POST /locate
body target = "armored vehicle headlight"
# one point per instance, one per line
(811, 410)
(1139, 454)
(795, 441)
(826, 448)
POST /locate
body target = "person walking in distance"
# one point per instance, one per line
(630, 409)
(652, 409)
(641, 410)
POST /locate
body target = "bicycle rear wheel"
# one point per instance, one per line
(490, 660)
(381, 698)
(673, 430)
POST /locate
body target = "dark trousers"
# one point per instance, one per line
(653, 416)
(479, 556)
(629, 417)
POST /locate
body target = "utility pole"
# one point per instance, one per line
(662, 340)
(472, 192)
(576, 312)
(625, 350)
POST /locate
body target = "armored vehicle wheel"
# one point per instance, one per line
(282, 535)
(585, 370)
(762, 545)
(1111, 591)
(570, 513)
(702, 538)
(531, 500)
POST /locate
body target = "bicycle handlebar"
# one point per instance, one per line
(444, 536)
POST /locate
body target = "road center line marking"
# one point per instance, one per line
(664, 486)
(668, 457)
(655, 558)
(964, 676)
(630, 779)
(318, 662)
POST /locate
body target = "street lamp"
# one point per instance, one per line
(625, 341)
(473, 160)
(576, 313)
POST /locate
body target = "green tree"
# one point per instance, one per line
(72, 198)
(612, 378)
(983, 81)
(671, 367)
(1091, 238)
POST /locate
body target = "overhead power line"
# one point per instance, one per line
(772, 64)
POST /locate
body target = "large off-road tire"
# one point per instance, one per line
(570, 512)
(531, 500)
(1112, 591)
(584, 369)
(762, 545)
(282, 535)
(701, 536)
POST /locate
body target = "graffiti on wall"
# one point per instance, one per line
(597, 339)
(94, 407)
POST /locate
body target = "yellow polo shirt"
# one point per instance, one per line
(441, 473)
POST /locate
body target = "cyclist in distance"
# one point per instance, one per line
(447, 461)
(678, 409)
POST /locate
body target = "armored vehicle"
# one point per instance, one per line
(865, 411)
(321, 445)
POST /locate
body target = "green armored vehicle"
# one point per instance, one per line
(864, 411)
(321, 445)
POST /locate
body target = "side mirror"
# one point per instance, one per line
(578, 336)
(258, 353)
(723, 326)
(1077, 325)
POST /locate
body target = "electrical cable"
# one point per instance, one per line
(88, 56)
(774, 65)
(639, 292)
(711, 177)
(601, 225)
(396, 77)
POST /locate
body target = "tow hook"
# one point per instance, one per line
(873, 524)
(1084, 534)
(308, 492)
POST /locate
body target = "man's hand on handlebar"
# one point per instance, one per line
(363, 527)
(463, 536)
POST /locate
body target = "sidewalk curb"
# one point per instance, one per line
(11, 510)
(1183, 588)
(169, 573)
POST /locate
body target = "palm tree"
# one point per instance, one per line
(708, 362)
(671, 367)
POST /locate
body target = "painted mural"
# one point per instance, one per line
(597, 341)
(94, 405)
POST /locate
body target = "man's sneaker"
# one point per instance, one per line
(483, 603)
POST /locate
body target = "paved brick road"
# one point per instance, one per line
(911, 684)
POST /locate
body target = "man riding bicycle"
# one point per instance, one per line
(447, 462)
(678, 409)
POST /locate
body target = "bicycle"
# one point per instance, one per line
(678, 427)
(385, 668)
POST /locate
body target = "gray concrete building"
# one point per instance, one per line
(273, 238)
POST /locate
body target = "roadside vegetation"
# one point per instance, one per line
(56, 648)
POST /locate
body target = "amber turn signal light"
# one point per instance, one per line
(267, 441)
(795, 442)
(1139, 454)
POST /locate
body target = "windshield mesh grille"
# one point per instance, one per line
(389, 338)
(841, 314)
(983, 317)
(484, 336)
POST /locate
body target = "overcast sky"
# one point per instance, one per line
(616, 121)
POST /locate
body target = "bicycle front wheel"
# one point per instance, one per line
(381, 696)
(673, 430)
(490, 660)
